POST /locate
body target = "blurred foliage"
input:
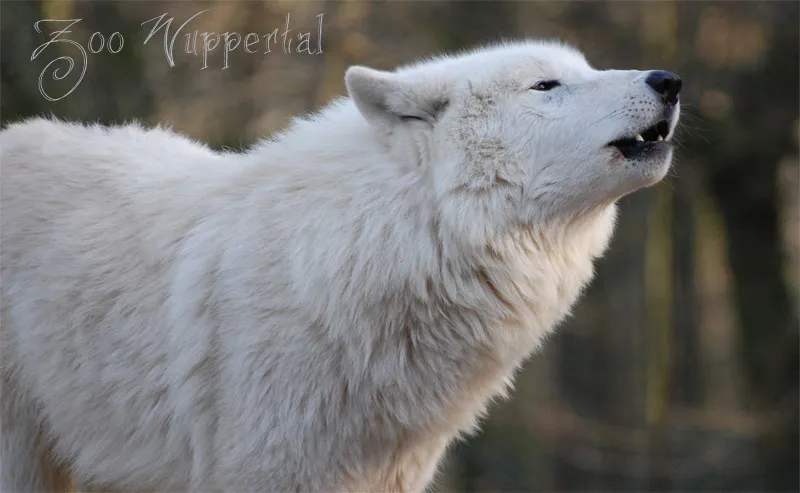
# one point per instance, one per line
(679, 368)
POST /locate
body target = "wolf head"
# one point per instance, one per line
(530, 129)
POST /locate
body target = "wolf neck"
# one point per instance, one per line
(450, 319)
(453, 325)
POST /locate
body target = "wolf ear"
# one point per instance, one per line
(387, 99)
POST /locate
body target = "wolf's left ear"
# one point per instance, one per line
(386, 99)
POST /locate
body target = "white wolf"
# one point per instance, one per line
(327, 311)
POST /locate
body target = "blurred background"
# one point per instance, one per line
(678, 370)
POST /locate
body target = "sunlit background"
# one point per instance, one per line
(678, 370)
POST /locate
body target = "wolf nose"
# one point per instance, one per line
(667, 84)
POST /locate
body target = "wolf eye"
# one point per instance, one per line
(546, 85)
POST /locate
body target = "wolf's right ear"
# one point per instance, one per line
(386, 98)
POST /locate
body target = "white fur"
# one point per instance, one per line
(325, 312)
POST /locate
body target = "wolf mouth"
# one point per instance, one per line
(644, 141)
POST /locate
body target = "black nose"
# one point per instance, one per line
(667, 84)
